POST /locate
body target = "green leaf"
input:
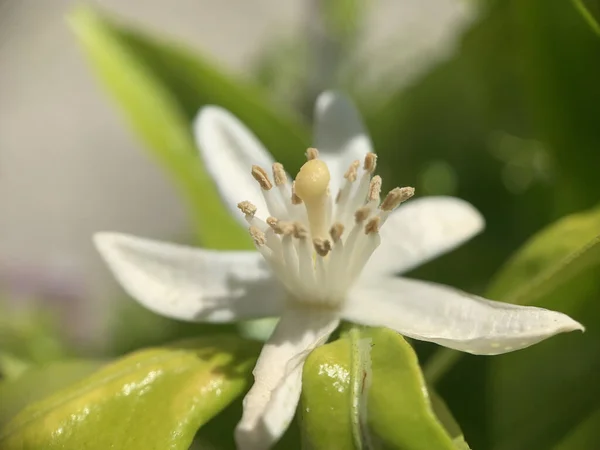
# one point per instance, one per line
(39, 382)
(590, 10)
(552, 386)
(550, 259)
(585, 436)
(151, 399)
(160, 86)
(395, 407)
(538, 273)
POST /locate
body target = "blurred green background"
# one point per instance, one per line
(502, 109)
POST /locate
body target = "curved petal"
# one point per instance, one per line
(455, 319)
(270, 404)
(189, 283)
(421, 230)
(339, 135)
(229, 150)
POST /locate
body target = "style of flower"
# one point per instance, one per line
(327, 249)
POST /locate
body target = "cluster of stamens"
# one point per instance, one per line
(315, 246)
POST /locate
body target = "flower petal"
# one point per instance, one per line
(449, 317)
(340, 135)
(270, 404)
(229, 150)
(189, 283)
(421, 230)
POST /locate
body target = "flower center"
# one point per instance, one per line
(315, 246)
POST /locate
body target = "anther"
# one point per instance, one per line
(370, 162)
(312, 153)
(279, 174)
(361, 214)
(373, 225)
(397, 196)
(295, 199)
(287, 229)
(261, 176)
(374, 188)
(272, 222)
(336, 231)
(258, 236)
(322, 246)
(352, 171)
(247, 208)
(300, 231)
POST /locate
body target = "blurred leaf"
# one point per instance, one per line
(585, 436)
(28, 337)
(537, 396)
(590, 10)
(397, 409)
(446, 418)
(161, 86)
(551, 258)
(39, 382)
(11, 366)
(155, 398)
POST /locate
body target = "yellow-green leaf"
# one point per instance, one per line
(551, 258)
(151, 399)
(393, 404)
(160, 86)
(38, 382)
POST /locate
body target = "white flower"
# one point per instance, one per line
(319, 261)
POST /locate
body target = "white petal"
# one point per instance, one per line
(421, 230)
(189, 283)
(270, 404)
(229, 150)
(455, 319)
(340, 135)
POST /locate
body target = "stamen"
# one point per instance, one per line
(397, 196)
(362, 214)
(372, 225)
(311, 186)
(370, 162)
(258, 236)
(305, 256)
(279, 226)
(279, 174)
(336, 231)
(312, 153)
(322, 246)
(274, 224)
(287, 229)
(374, 189)
(261, 176)
(295, 199)
(352, 171)
(247, 208)
(300, 231)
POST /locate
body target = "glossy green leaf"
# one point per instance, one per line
(39, 382)
(160, 86)
(395, 407)
(151, 399)
(550, 259)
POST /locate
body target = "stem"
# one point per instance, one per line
(439, 364)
